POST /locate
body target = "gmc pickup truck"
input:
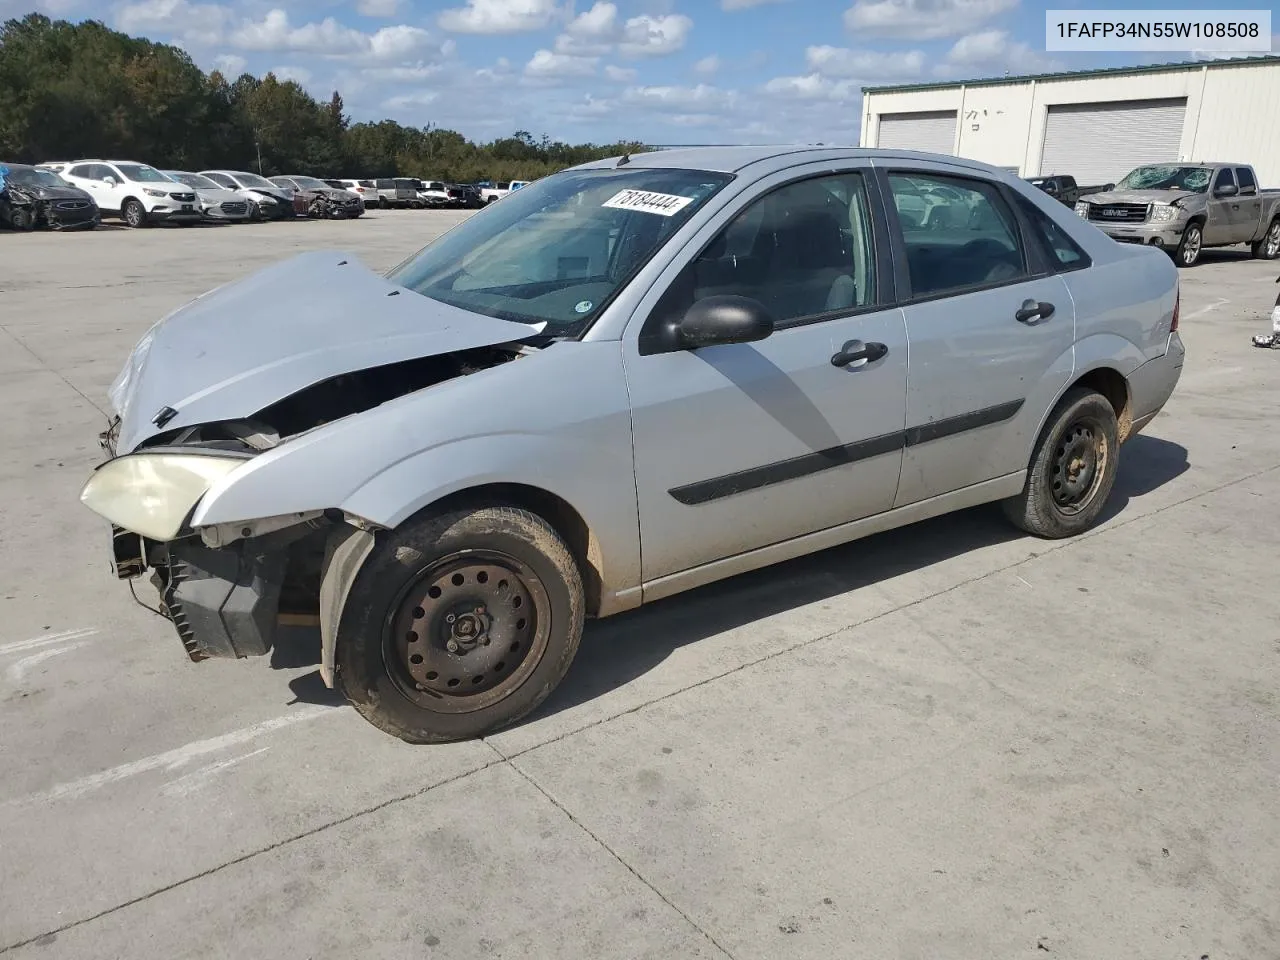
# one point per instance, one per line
(1185, 207)
(1063, 187)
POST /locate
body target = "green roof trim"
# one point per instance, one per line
(1261, 60)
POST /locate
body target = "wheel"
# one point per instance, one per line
(134, 214)
(459, 624)
(1188, 252)
(1072, 469)
(21, 218)
(1268, 248)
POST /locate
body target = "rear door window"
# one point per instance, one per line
(1062, 252)
(958, 233)
(1246, 179)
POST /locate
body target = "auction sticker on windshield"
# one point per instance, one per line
(663, 204)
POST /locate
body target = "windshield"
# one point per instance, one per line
(310, 183)
(196, 181)
(1194, 179)
(142, 174)
(36, 177)
(559, 251)
(253, 181)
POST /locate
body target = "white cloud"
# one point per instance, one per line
(299, 75)
(707, 65)
(547, 64)
(499, 16)
(647, 36)
(865, 64)
(731, 5)
(620, 74)
(994, 51)
(230, 64)
(921, 19)
(813, 86)
(703, 97)
(379, 8)
(420, 98)
(329, 38)
(598, 23)
(198, 23)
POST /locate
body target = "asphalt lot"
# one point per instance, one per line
(950, 741)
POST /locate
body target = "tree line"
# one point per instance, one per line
(72, 90)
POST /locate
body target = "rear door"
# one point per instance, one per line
(990, 325)
(1223, 212)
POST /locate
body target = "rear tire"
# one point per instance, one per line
(459, 624)
(1190, 247)
(1268, 248)
(1073, 468)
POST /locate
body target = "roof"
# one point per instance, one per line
(1080, 74)
(775, 158)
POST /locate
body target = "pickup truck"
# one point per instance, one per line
(1063, 187)
(499, 190)
(1185, 207)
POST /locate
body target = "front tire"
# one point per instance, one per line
(460, 624)
(21, 219)
(1073, 468)
(1268, 248)
(134, 214)
(1190, 247)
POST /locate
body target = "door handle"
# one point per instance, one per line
(1034, 310)
(856, 350)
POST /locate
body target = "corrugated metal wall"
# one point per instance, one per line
(1101, 142)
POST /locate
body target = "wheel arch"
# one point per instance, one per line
(1114, 386)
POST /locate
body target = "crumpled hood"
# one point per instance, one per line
(1138, 196)
(241, 347)
(220, 195)
(39, 191)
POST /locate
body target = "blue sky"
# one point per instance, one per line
(661, 71)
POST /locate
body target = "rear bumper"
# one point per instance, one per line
(1152, 384)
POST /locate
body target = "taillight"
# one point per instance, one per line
(1177, 309)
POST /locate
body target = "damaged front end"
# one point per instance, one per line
(227, 587)
(24, 207)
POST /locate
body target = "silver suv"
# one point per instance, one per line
(626, 380)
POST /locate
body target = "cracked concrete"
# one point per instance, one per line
(945, 741)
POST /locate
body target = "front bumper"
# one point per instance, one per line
(217, 213)
(1167, 234)
(170, 215)
(224, 603)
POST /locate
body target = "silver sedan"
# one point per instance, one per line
(626, 380)
(216, 202)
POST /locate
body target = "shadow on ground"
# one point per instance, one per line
(623, 648)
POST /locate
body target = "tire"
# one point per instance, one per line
(1268, 248)
(1191, 246)
(134, 214)
(483, 567)
(1081, 432)
(21, 219)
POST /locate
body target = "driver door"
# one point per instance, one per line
(740, 446)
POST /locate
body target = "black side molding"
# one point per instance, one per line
(717, 488)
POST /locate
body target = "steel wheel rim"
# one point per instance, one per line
(1273, 239)
(1078, 465)
(467, 632)
(1191, 249)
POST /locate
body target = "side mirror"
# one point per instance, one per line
(109, 181)
(1227, 190)
(724, 319)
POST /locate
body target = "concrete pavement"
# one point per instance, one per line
(950, 741)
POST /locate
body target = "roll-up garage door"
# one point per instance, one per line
(931, 132)
(1101, 142)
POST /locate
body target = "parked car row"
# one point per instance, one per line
(1182, 208)
(412, 193)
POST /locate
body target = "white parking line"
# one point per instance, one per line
(30, 644)
(171, 759)
(199, 777)
(19, 670)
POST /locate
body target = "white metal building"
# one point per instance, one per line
(1095, 125)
